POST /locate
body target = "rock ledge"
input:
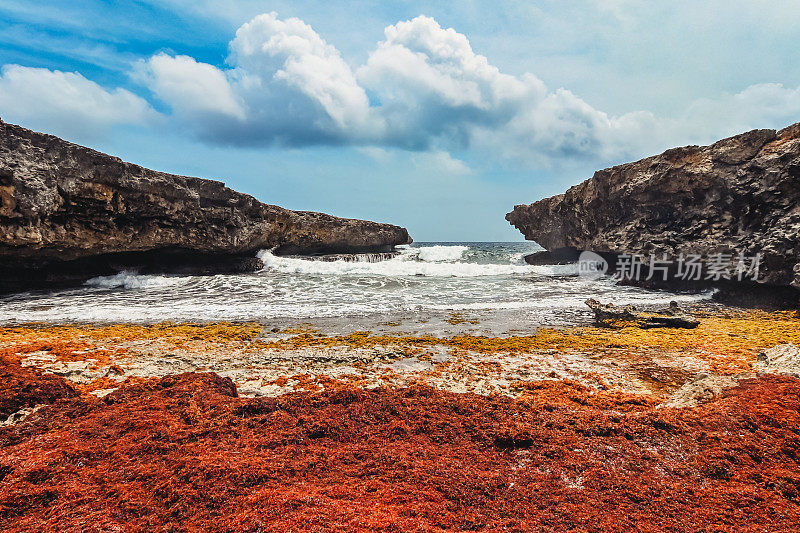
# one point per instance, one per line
(68, 213)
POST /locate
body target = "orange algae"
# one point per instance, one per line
(106, 383)
(551, 393)
(314, 383)
(63, 351)
(24, 387)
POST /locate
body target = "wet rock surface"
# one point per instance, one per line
(69, 212)
(738, 195)
(609, 315)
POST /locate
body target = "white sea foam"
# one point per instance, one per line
(406, 264)
(440, 253)
(129, 280)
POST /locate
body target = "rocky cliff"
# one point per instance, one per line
(68, 212)
(738, 195)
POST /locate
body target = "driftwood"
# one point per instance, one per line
(609, 315)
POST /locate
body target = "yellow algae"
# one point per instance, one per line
(168, 331)
(729, 345)
(727, 341)
(458, 318)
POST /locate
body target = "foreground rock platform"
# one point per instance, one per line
(68, 213)
(738, 195)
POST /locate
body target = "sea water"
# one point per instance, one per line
(424, 281)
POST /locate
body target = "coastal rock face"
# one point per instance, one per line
(741, 194)
(60, 202)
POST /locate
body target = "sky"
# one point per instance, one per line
(438, 117)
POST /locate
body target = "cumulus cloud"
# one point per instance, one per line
(192, 89)
(764, 103)
(286, 86)
(422, 88)
(66, 103)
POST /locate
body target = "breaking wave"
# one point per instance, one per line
(439, 253)
(129, 280)
(433, 261)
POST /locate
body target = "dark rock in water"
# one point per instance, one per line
(374, 257)
(609, 315)
(68, 213)
(739, 195)
(559, 256)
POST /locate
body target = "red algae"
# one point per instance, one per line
(22, 387)
(573, 394)
(184, 453)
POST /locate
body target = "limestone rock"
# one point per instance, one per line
(780, 359)
(70, 211)
(702, 389)
(740, 194)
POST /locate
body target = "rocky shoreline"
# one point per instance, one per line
(69, 213)
(738, 197)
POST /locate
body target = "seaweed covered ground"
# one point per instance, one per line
(261, 361)
(237, 427)
(184, 453)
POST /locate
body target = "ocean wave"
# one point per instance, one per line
(403, 265)
(128, 280)
(438, 253)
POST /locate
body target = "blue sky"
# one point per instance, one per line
(436, 116)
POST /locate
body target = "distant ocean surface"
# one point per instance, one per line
(424, 278)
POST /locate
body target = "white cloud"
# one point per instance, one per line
(441, 162)
(757, 105)
(422, 88)
(428, 90)
(286, 85)
(192, 89)
(438, 162)
(289, 54)
(436, 91)
(66, 103)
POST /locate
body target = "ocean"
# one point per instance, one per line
(487, 285)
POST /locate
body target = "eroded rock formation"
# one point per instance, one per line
(738, 195)
(68, 212)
